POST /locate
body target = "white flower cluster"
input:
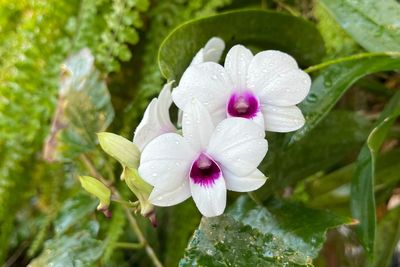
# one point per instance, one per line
(226, 111)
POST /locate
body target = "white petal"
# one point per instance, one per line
(289, 89)
(164, 102)
(164, 198)
(156, 120)
(208, 82)
(236, 64)
(145, 131)
(165, 162)
(210, 200)
(213, 49)
(265, 67)
(197, 126)
(238, 145)
(276, 79)
(282, 119)
(198, 58)
(248, 183)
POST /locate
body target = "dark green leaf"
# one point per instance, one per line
(280, 234)
(259, 28)
(333, 82)
(388, 235)
(340, 134)
(373, 24)
(362, 186)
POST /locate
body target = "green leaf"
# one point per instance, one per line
(73, 212)
(258, 28)
(98, 189)
(373, 24)
(340, 134)
(334, 81)
(280, 234)
(79, 249)
(120, 148)
(83, 109)
(388, 235)
(362, 186)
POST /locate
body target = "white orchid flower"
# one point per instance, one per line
(264, 88)
(156, 120)
(211, 52)
(204, 162)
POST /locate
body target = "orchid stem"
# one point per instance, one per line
(349, 58)
(126, 245)
(132, 221)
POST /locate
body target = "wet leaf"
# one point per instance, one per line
(373, 24)
(280, 234)
(330, 85)
(258, 28)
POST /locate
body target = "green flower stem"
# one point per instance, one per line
(350, 58)
(132, 221)
(126, 245)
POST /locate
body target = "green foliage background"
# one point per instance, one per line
(346, 159)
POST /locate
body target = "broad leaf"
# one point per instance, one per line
(340, 134)
(79, 249)
(362, 186)
(83, 109)
(280, 234)
(373, 24)
(259, 28)
(333, 82)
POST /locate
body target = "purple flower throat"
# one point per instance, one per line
(204, 170)
(243, 104)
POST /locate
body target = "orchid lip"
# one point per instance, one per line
(243, 104)
(204, 170)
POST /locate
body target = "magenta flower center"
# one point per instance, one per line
(204, 170)
(243, 104)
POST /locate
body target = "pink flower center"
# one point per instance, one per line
(204, 170)
(243, 104)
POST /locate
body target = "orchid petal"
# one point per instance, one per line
(238, 145)
(197, 126)
(282, 119)
(156, 120)
(236, 64)
(211, 199)
(165, 162)
(208, 82)
(276, 79)
(163, 198)
(212, 51)
(248, 183)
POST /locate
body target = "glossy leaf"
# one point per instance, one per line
(258, 28)
(79, 249)
(388, 236)
(362, 186)
(72, 212)
(373, 24)
(330, 85)
(280, 234)
(339, 134)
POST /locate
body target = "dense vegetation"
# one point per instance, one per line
(340, 172)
